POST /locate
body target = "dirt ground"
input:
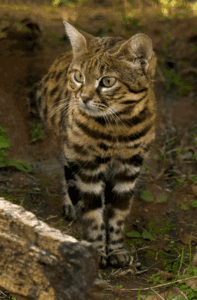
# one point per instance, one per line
(171, 170)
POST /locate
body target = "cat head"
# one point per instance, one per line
(108, 74)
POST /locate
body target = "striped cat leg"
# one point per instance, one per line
(66, 181)
(119, 195)
(117, 213)
(90, 211)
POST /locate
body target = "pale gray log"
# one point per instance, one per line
(39, 262)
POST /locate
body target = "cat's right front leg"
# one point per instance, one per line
(67, 207)
(90, 212)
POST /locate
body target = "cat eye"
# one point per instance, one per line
(108, 81)
(78, 76)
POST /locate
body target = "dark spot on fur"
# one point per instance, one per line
(119, 241)
(111, 229)
(95, 227)
(120, 222)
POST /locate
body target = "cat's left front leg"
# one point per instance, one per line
(117, 213)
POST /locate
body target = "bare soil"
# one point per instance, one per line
(25, 59)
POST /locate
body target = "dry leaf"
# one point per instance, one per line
(185, 238)
(166, 275)
(194, 189)
(194, 261)
(192, 283)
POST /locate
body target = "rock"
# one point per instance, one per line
(39, 262)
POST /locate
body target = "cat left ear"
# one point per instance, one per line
(78, 41)
(139, 46)
(142, 46)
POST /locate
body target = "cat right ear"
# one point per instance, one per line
(78, 41)
(139, 45)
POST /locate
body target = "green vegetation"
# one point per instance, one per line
(148, 197)
(176, 262)
(194, 204)
(37, 132)
(64, 2)
(4, 159)
(110, 25)
(173, 79)
(119, 287)
(180, 181)
(178, 279)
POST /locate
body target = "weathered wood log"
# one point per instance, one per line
(39, 262)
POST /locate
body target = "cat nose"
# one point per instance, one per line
(85, 98)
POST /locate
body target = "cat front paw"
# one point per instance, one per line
(119, 258)
(68, 211)
(103, 260)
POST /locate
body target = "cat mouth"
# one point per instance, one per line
(89, 108)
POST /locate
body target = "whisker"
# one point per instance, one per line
(53, 111)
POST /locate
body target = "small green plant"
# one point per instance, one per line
(156, 278)
(21, 27)
(134, 234)
(4, 159)
(166, 43)
(184, 86)
(9, 197)
(194, 157)
(166, 226)
(147, 196)
(37, 132)
(195, 143)
(110, 25)
(100, 32)
(194, 179)
(52, 35)
(139, 292)
(180, 181)
(22, 200)
(184, 207)
(161, 157)
(147, 235)
(78, 237)
(194, 204)
(119, 287)
(161, 198)
(63, 2)
(147, 168)
(77, 25)
(179, 151)
(128, 20)
(171, 143)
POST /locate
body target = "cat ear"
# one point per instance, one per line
(78, 41)
(139, 45)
